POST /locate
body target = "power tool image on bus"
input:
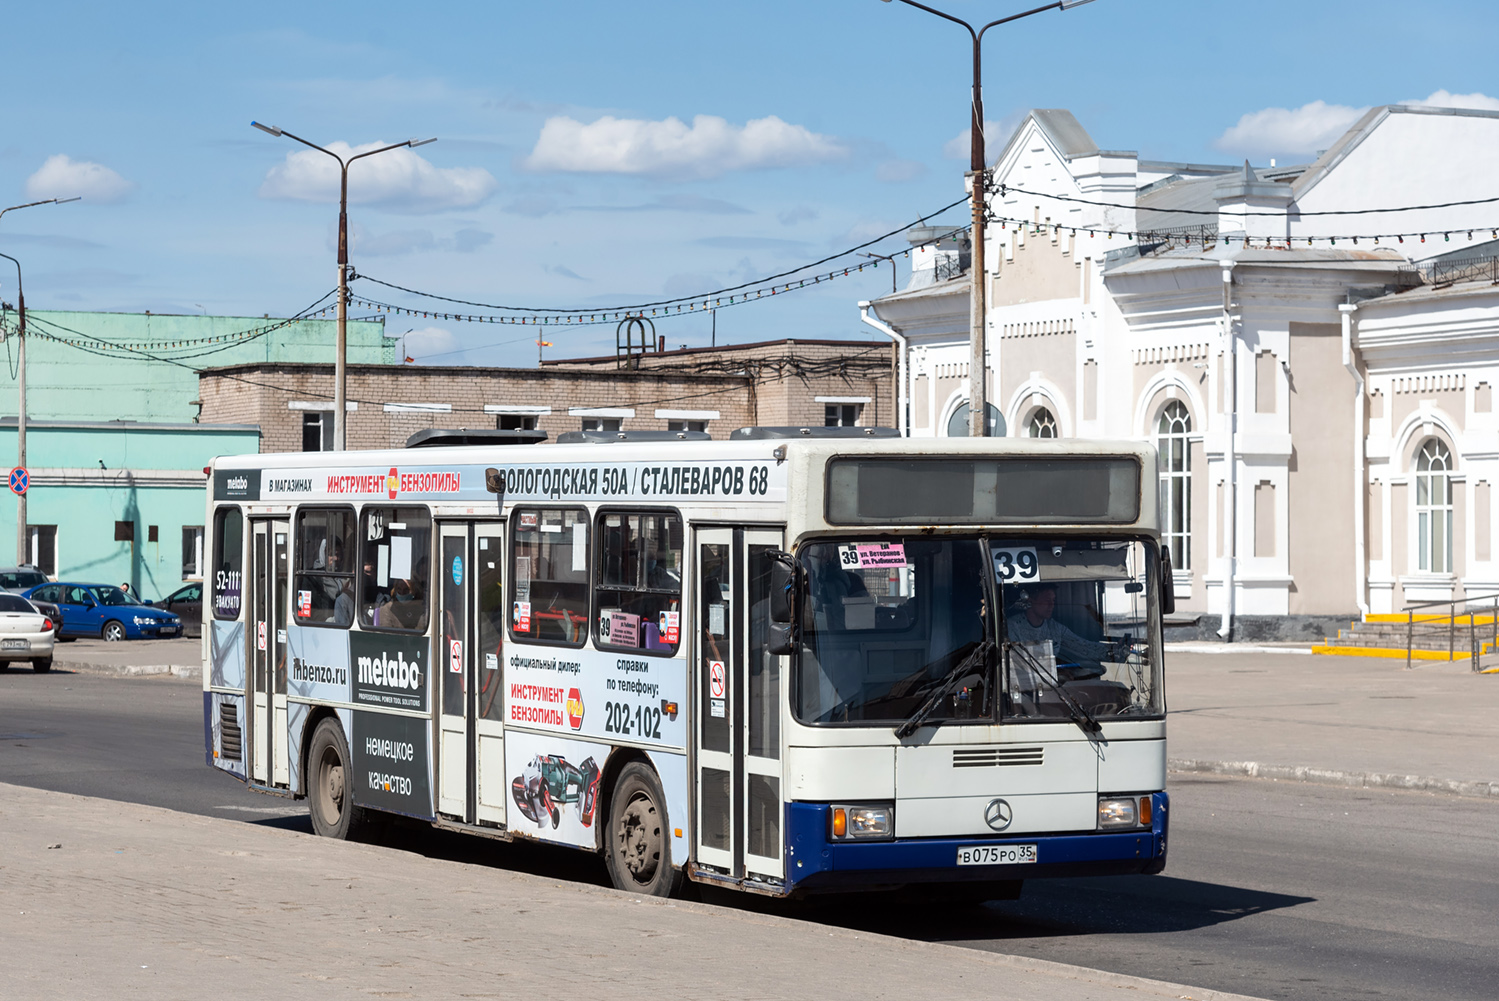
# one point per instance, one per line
(550, 782)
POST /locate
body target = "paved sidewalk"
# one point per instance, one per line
(106, 899)
(182, 657)
(1345, 720)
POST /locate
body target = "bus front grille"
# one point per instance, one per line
(231, 738)
(993, 757)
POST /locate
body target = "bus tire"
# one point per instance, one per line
(638, 846)
(330, 784)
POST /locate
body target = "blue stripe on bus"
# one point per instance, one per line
(810, 852)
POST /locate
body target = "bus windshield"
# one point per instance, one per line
(888, 624)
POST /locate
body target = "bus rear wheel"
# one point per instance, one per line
(330, 784)
(638, 852)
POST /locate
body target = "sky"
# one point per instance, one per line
(595, 155)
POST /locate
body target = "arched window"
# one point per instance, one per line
(1174, 468)
(1434, 507)
(1043, 424)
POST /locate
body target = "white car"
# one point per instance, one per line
(25, 634)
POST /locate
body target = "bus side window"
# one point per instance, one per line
(549, 576)
(638, 587)
(324, 591)
(394, 568)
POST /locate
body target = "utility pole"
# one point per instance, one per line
(978, 362)
(340, 363)
(23, 541)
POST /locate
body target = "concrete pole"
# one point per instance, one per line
(1231, 406)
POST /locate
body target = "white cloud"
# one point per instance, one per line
(1316, 126)
(398, 179)
(1447, 99)
(429, 342)
(1304, 130)
(63, 177)
(709, 147)
(896, 171)
(796, 214)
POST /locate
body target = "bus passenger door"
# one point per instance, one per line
(738, 707)
(269, 760)
(471, 758)
(492, 788)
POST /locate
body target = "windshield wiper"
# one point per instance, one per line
(1080, 716)
(962, 667)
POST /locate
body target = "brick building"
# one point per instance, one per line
(709, 389)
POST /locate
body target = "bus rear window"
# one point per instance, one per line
(1016, 490)
(228, 566)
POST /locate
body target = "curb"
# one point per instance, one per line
(185, 672)
(1329, 776)
(1202, 646)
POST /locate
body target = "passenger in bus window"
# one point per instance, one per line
(1033, 622)
(343, 605)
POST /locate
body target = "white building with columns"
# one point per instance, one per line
(1318, 378)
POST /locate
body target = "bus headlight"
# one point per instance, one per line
(861, 823)
(1115, 813)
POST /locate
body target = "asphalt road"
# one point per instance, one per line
(1279, 890)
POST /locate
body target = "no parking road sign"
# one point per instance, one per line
(19, 479)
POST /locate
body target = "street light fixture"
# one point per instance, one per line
(340, 366)
(23, 547)
(978, 408)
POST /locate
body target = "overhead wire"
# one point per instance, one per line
(660, 303)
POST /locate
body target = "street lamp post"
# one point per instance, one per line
(23, 548)
(340, 364)
(978, 402)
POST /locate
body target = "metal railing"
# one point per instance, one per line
(1445, 272)
(1474, 630)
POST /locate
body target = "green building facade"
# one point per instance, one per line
(144, 367)
(117, 501)
(114, 448)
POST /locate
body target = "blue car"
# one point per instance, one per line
(106, 611)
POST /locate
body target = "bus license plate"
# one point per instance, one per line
(996, 854)
(15, 645)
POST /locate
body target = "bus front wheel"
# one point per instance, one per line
(330, 794)
(638, 852)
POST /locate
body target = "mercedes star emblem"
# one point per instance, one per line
(998, 814)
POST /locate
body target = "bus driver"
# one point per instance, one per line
(1033, 623)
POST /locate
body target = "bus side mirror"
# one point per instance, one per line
(1168, 583)
(785, 585)
(494, 482)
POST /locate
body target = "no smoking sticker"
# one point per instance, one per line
(715, 679)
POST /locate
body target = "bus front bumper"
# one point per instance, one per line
(816, 862)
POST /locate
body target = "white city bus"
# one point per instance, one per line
(800, 660)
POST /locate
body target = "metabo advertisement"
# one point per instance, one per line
(391, 763)
(589, 693)
(389, 671)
